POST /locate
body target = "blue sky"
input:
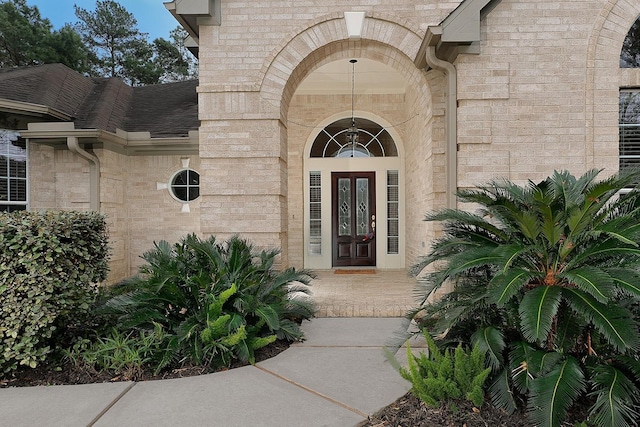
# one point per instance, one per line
(153, 18)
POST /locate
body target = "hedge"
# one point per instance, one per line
(50, 263)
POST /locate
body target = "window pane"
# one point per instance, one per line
(12, 208)
(362, 205)
(180, 179)
(17, 190)
(629, 129)
(344, 206)
(315, 213)
(392, 212)
(185, 185)
(373, 140)
(194, 193)
(194, 178)
(4, 166)
(18, 168)
(4, 190)
(180, 193)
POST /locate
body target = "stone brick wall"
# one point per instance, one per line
(137, 212)
(542, 95)
(524, 102)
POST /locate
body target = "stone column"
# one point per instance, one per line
(243, 168)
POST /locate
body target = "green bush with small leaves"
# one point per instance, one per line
(49, 265)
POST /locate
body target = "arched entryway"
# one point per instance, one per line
(392, 94)
(354, 195)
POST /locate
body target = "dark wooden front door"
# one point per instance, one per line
(353, 208)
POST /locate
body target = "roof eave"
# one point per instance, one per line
(191, 14)
(128, 143)
(457, 33)
(29, 109)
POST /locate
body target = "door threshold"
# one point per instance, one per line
(354, 271)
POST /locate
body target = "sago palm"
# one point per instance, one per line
(214, 300)
(541, 276)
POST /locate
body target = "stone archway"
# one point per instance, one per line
(604, 79)
(278, 88)
(245, 129)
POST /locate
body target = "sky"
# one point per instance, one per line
(153, 18)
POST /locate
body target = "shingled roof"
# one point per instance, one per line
(164, 110)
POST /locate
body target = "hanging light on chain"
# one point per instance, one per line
(352, 132)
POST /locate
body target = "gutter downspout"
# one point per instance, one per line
(94, 171)
(451, 122)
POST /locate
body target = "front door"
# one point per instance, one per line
(353, 218)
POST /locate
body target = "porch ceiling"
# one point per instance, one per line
(370, 77)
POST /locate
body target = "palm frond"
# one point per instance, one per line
(569, 328)
(490, 341)
(616, 396)
(537, 310)
(522, 366)
(470, 259)
(504, 285)
(614, 323)
(624, 228)
(552, 394)
(592, 280)
(626, 280)
(501, 392)
(607, 249)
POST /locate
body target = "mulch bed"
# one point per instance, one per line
(68, 373)
(409, 411)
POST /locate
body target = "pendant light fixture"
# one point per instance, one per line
(352, 132)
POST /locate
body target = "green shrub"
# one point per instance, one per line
(545, 280)
(215, 302)
(454, 374)
(49, 263)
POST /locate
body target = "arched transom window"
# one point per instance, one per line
(630, 55)
(372, 140)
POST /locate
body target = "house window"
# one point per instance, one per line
(185, 185)
(629, 128)
(13, 171)
(315, 213)
(373, 140)
(393, 201)
(630, 55)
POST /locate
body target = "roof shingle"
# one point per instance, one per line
(164, 110)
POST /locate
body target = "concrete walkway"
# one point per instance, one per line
(337, 377)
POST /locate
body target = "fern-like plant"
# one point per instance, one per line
(438, 376)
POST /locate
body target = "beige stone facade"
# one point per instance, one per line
(537, 90)
(138, 207)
